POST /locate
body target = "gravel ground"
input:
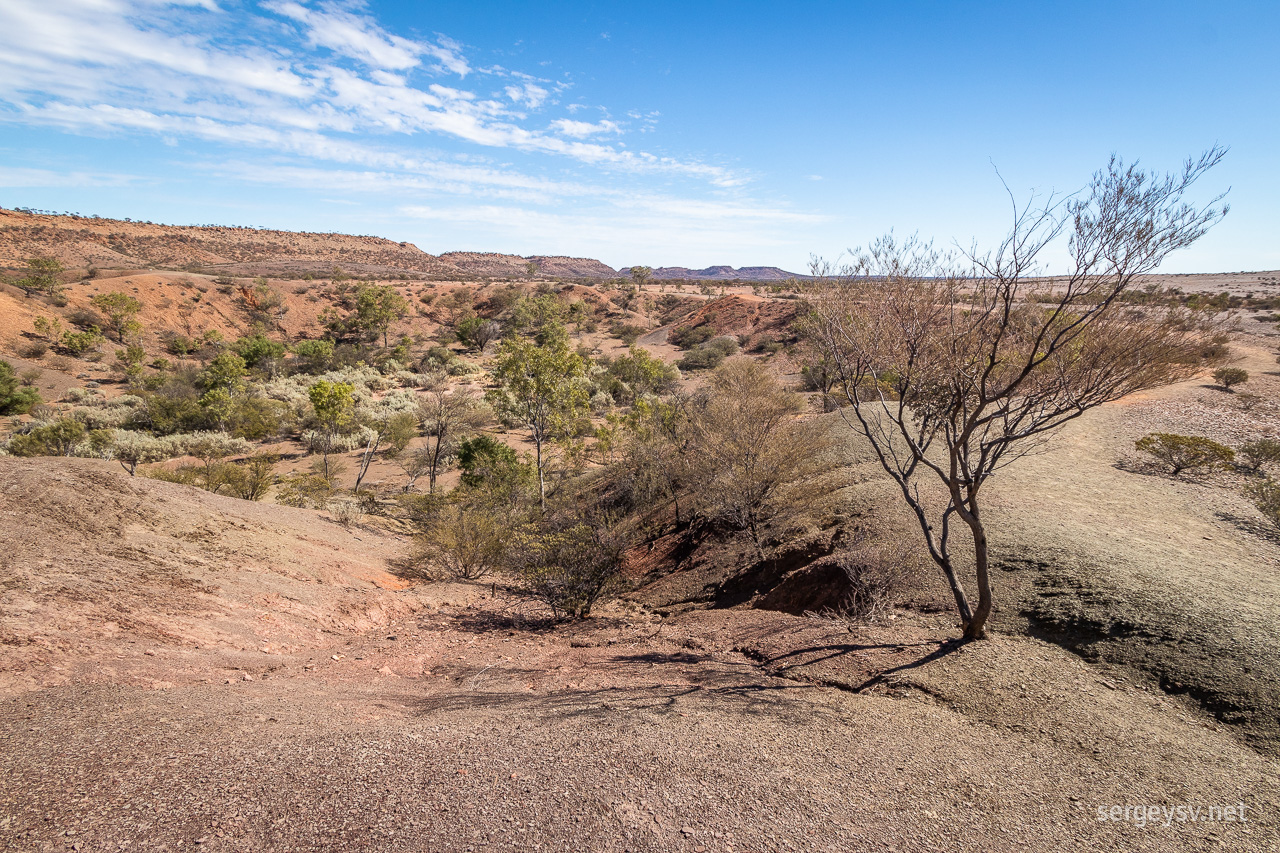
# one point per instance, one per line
(734, 730)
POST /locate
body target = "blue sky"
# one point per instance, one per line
(684, 134)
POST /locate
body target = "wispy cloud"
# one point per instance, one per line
(583, 129)
(327, 69)
(360, 38)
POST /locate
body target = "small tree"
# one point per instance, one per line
(120, 309)
(223, 381)
(1228, 377)
(386, 423)
(131, 448)
(377, 307)
(1185, 452)
(42, 276)
(414, 462)
(659, 454)
(446, 420)
(542, 390)
(1260, 453)
(951, 372)
(334, 406)
(477, 332)
(640, 275)
(48, 328)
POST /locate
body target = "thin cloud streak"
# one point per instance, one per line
(342, 74)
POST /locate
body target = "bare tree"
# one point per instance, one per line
(951, 374)
(446, 419)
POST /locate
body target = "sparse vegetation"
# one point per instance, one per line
(1259, 453)
(1229, 377)
(1185, 453)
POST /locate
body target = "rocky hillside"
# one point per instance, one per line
(497, 265)
(92, 242)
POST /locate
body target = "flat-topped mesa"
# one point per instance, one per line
(79, 241)
(725, 273)
(499, 265)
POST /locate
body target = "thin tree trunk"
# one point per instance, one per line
(435, 465)
(957, 589)
(365, 460)
(542, 484)
(975, 626)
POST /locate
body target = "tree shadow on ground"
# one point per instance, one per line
(1251, 526)
(653, 682)
(802, 659)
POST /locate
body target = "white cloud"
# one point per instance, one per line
(529, 94)
(153, 64)
(359, 37)
(583, 129)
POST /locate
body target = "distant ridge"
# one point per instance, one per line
(87, 241)
(725, 273)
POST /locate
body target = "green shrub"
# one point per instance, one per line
(436, 358)
(1185, 452)
(567, 565)
(626, 332)
(79, 343)
(688, 337)
(1266, 496)
(477, 332)
(710, 355)
(726, 345)
(700, 359)
(466, 542)
(1230, 376)
(58, 438)
(257, 350)
(484, 459)
(313, 356)
(42, 276)
(305, 490)
(1260, 453)
(641, 373)
(14, 399)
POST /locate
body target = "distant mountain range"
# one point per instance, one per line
(724, 273)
